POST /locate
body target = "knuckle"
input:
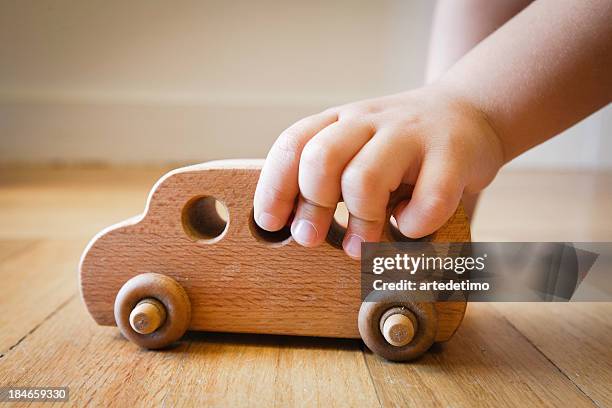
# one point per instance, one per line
(271, 193)
(317, 172)
(408, 125)
(288, 144)
(361, 192)
(319, 157)
(437, 204)
(359, 182)
(332, 111)
(454, 144)
(354, 111)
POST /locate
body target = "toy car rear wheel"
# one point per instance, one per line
(152, 310)
(398, 331)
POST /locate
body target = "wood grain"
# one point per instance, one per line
(101, 368)
(9, 248)
(546, 206)
(488, 363)
(236, 283)
(62, 203)
(577, 338)
(549, 355)
(35, 282)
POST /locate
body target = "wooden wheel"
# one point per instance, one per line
(152, 310)
(398, 330)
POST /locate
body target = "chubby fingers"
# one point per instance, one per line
(367, 182)
(277, 188)
(323, 159)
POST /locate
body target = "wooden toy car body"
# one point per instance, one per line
(244, 280)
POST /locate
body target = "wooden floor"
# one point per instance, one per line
(503, 354)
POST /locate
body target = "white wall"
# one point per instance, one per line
(155, 81)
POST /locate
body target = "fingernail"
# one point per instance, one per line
(304, 232)
(269, 222)
(353, 246)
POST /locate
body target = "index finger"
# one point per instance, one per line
(277, 187)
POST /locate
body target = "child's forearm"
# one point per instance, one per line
(459, 25)
(547, 68)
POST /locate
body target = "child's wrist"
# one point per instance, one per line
(466, 102)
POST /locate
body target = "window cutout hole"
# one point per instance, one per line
(337, 230)
(205, 219)
(272, 238)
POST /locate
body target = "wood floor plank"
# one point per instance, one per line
(35, 282)
(12, 247)
(240, 370)
(576, 337)
(545, 206)
(39, 213)
(54, 203)
(221, 370)
(487, 363)
(93, 361)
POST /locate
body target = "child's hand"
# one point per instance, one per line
(362, 152)
(540, 73)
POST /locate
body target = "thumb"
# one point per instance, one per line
(435, 198)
